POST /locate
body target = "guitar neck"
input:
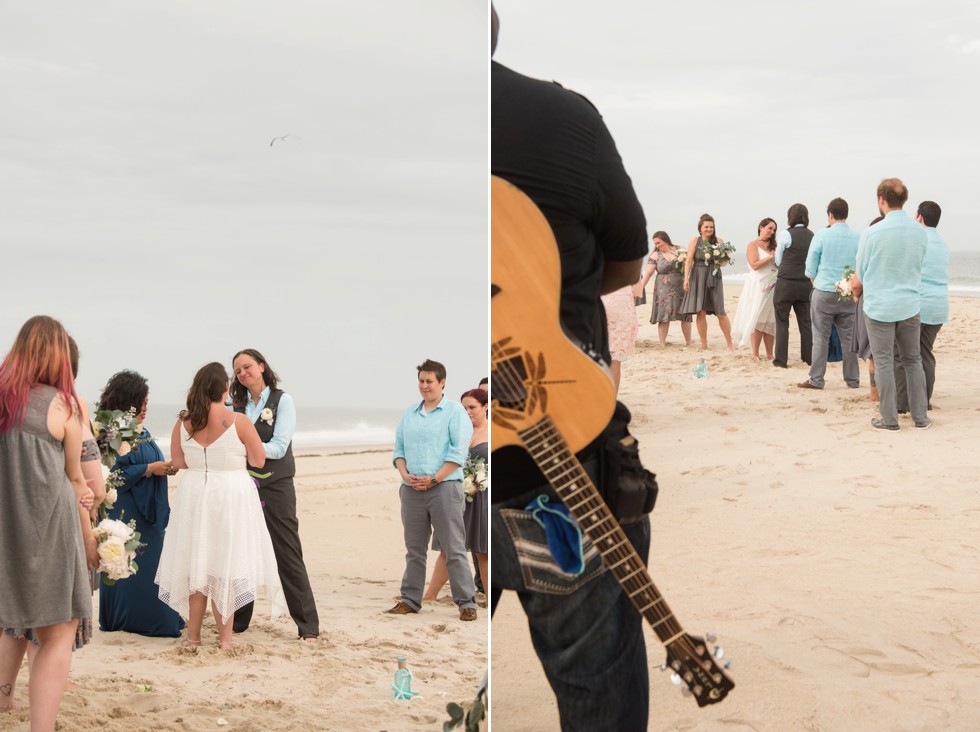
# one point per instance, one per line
(566, 475)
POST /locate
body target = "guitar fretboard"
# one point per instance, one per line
(567, 476)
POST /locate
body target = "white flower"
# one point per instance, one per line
(111, 496)
(124, 449)
(468, 487)
(114, 559)
(112, 548)
(267, 416)
(481, 477)
(117, 529)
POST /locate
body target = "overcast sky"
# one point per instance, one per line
(142, 205)
(742, 109)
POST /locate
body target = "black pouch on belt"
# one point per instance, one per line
(629, 489)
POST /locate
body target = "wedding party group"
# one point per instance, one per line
(881, 295)
(87, 506)
(230, 536)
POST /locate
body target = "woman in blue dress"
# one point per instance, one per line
(133, 604)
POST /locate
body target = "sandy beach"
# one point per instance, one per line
(836, 562)
(352, 539)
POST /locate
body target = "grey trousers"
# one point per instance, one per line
(827, 310)
(440, 508)
(927, 338)
(885, 337)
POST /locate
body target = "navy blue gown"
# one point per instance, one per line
(132, 604)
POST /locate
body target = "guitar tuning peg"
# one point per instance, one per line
(711, 636)
(718, 652)
(728, 664)
(675, 679)
(662, 667)
(685, 691)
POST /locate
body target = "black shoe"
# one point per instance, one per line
(779, 365)
(879, 424)
(923, 425)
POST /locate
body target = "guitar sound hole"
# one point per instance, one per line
(508, 378)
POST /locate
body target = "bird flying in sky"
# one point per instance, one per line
(283, 137)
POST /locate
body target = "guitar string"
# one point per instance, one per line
(513, 382)
(619, 551)
(622, 551)
(638, 583)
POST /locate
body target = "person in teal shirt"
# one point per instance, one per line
(889, 266)
(933, 300)
(831, 251)
(431, 445)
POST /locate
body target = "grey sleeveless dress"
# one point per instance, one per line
(705, 290)
(43, 575)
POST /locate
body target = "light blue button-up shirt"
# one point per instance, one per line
(282, 433)
(426, 441)
(889, 265)
(934, 285)
(783, 242)
(831, 250)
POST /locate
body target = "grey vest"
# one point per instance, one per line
(793, 264)
(284, 467)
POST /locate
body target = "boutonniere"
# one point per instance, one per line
(267, 416)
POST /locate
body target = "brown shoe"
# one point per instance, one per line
(401, 608)
(467, 613)
(808, 385)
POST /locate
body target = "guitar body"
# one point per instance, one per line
(542, 371)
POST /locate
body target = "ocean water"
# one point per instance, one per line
(964, 273)
(315, 426)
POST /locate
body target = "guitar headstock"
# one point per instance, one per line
(696, 663)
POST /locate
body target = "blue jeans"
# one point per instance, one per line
(586, 632)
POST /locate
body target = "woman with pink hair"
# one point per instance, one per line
(43, 555)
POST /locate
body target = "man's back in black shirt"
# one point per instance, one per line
(553, 145)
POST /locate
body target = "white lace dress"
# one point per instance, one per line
(755, 309)
(217, 542)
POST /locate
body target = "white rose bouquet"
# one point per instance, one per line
(843, 285)
(718, 255)
(475, 477)
(116, 433)
(118, 544)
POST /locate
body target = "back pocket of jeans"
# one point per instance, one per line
(539, 570)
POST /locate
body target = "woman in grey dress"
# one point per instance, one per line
(44, 581)
(704, 293)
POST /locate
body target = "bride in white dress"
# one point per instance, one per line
(217, 545)
(755, 318)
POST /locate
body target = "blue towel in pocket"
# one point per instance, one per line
(563, 534)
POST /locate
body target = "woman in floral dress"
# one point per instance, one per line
(668, 288)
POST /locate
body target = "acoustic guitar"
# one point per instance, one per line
(552, 398)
